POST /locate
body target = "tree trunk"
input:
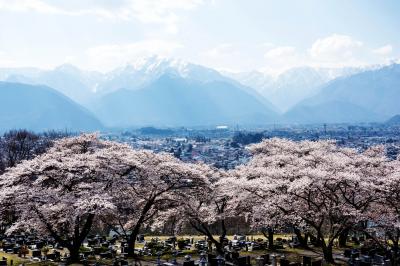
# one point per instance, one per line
(73, 254)
(132, 241)
(395, 252)
(204, 229)
(269, 235)
(219, 248)
(302, 240)
(271, 238)
(315, 240)
(306, 237)
(79, 237)
(396, 241)
(132, 237)
(219, 245)
(328, 254)
(343, 238)
(395, 246)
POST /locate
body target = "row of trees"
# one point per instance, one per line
(19, 145)
(320, 189)
(83, 183)
(315, 188)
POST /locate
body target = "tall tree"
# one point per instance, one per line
(316, 184)
(205, 209)
(386, 211)
(149, 187)
(63, 192)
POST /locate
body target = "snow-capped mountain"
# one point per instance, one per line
(180, 86)
(284, 90)
(145, 70)
(371, 95)
(291, 86)
(85, 87)
(81, 85)
(157, 91)
(172, 100)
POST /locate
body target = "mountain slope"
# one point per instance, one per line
(330, 112)
(291, 86)
(85, 87)
(374, 93)
(41, 108)
(395, 120)
(146, 70)
(74, 83)
(174, 101)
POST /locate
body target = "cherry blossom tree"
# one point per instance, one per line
(204, 209)
(386, 211)
(84, 181)
(150, 186)
(65, 191)
(249, 199)
(244, 202)
(313, 184)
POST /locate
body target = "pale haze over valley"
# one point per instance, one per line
(91, 65)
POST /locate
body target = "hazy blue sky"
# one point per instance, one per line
(224, 34)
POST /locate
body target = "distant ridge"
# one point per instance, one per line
(40, 108)
(369, 96)
(394, 120)
(346, 95)
(174, 101)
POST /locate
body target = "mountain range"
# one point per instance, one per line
(395, 120)
(41, 108)
(291, 86)
(169, 92)
(172, 100)
(368, 96)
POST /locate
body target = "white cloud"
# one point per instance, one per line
(267, 45)
(5, 61)
(224, 49)
(335, 47)
(385, 50)
(28, 5)
(107, 57)
(279, 52)
(163, 12)
(335, 50)
(223, 56)
(160, 10)
(281, 58)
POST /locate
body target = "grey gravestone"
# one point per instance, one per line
(260, 261)
(306, 261)
(188, 263)
(285, 262)
(316, 263)
(36, 253)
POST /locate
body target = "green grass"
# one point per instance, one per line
(16, 260)
(201, 237)
(293, 254)
(41, 264)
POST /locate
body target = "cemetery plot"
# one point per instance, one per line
(87, 200)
